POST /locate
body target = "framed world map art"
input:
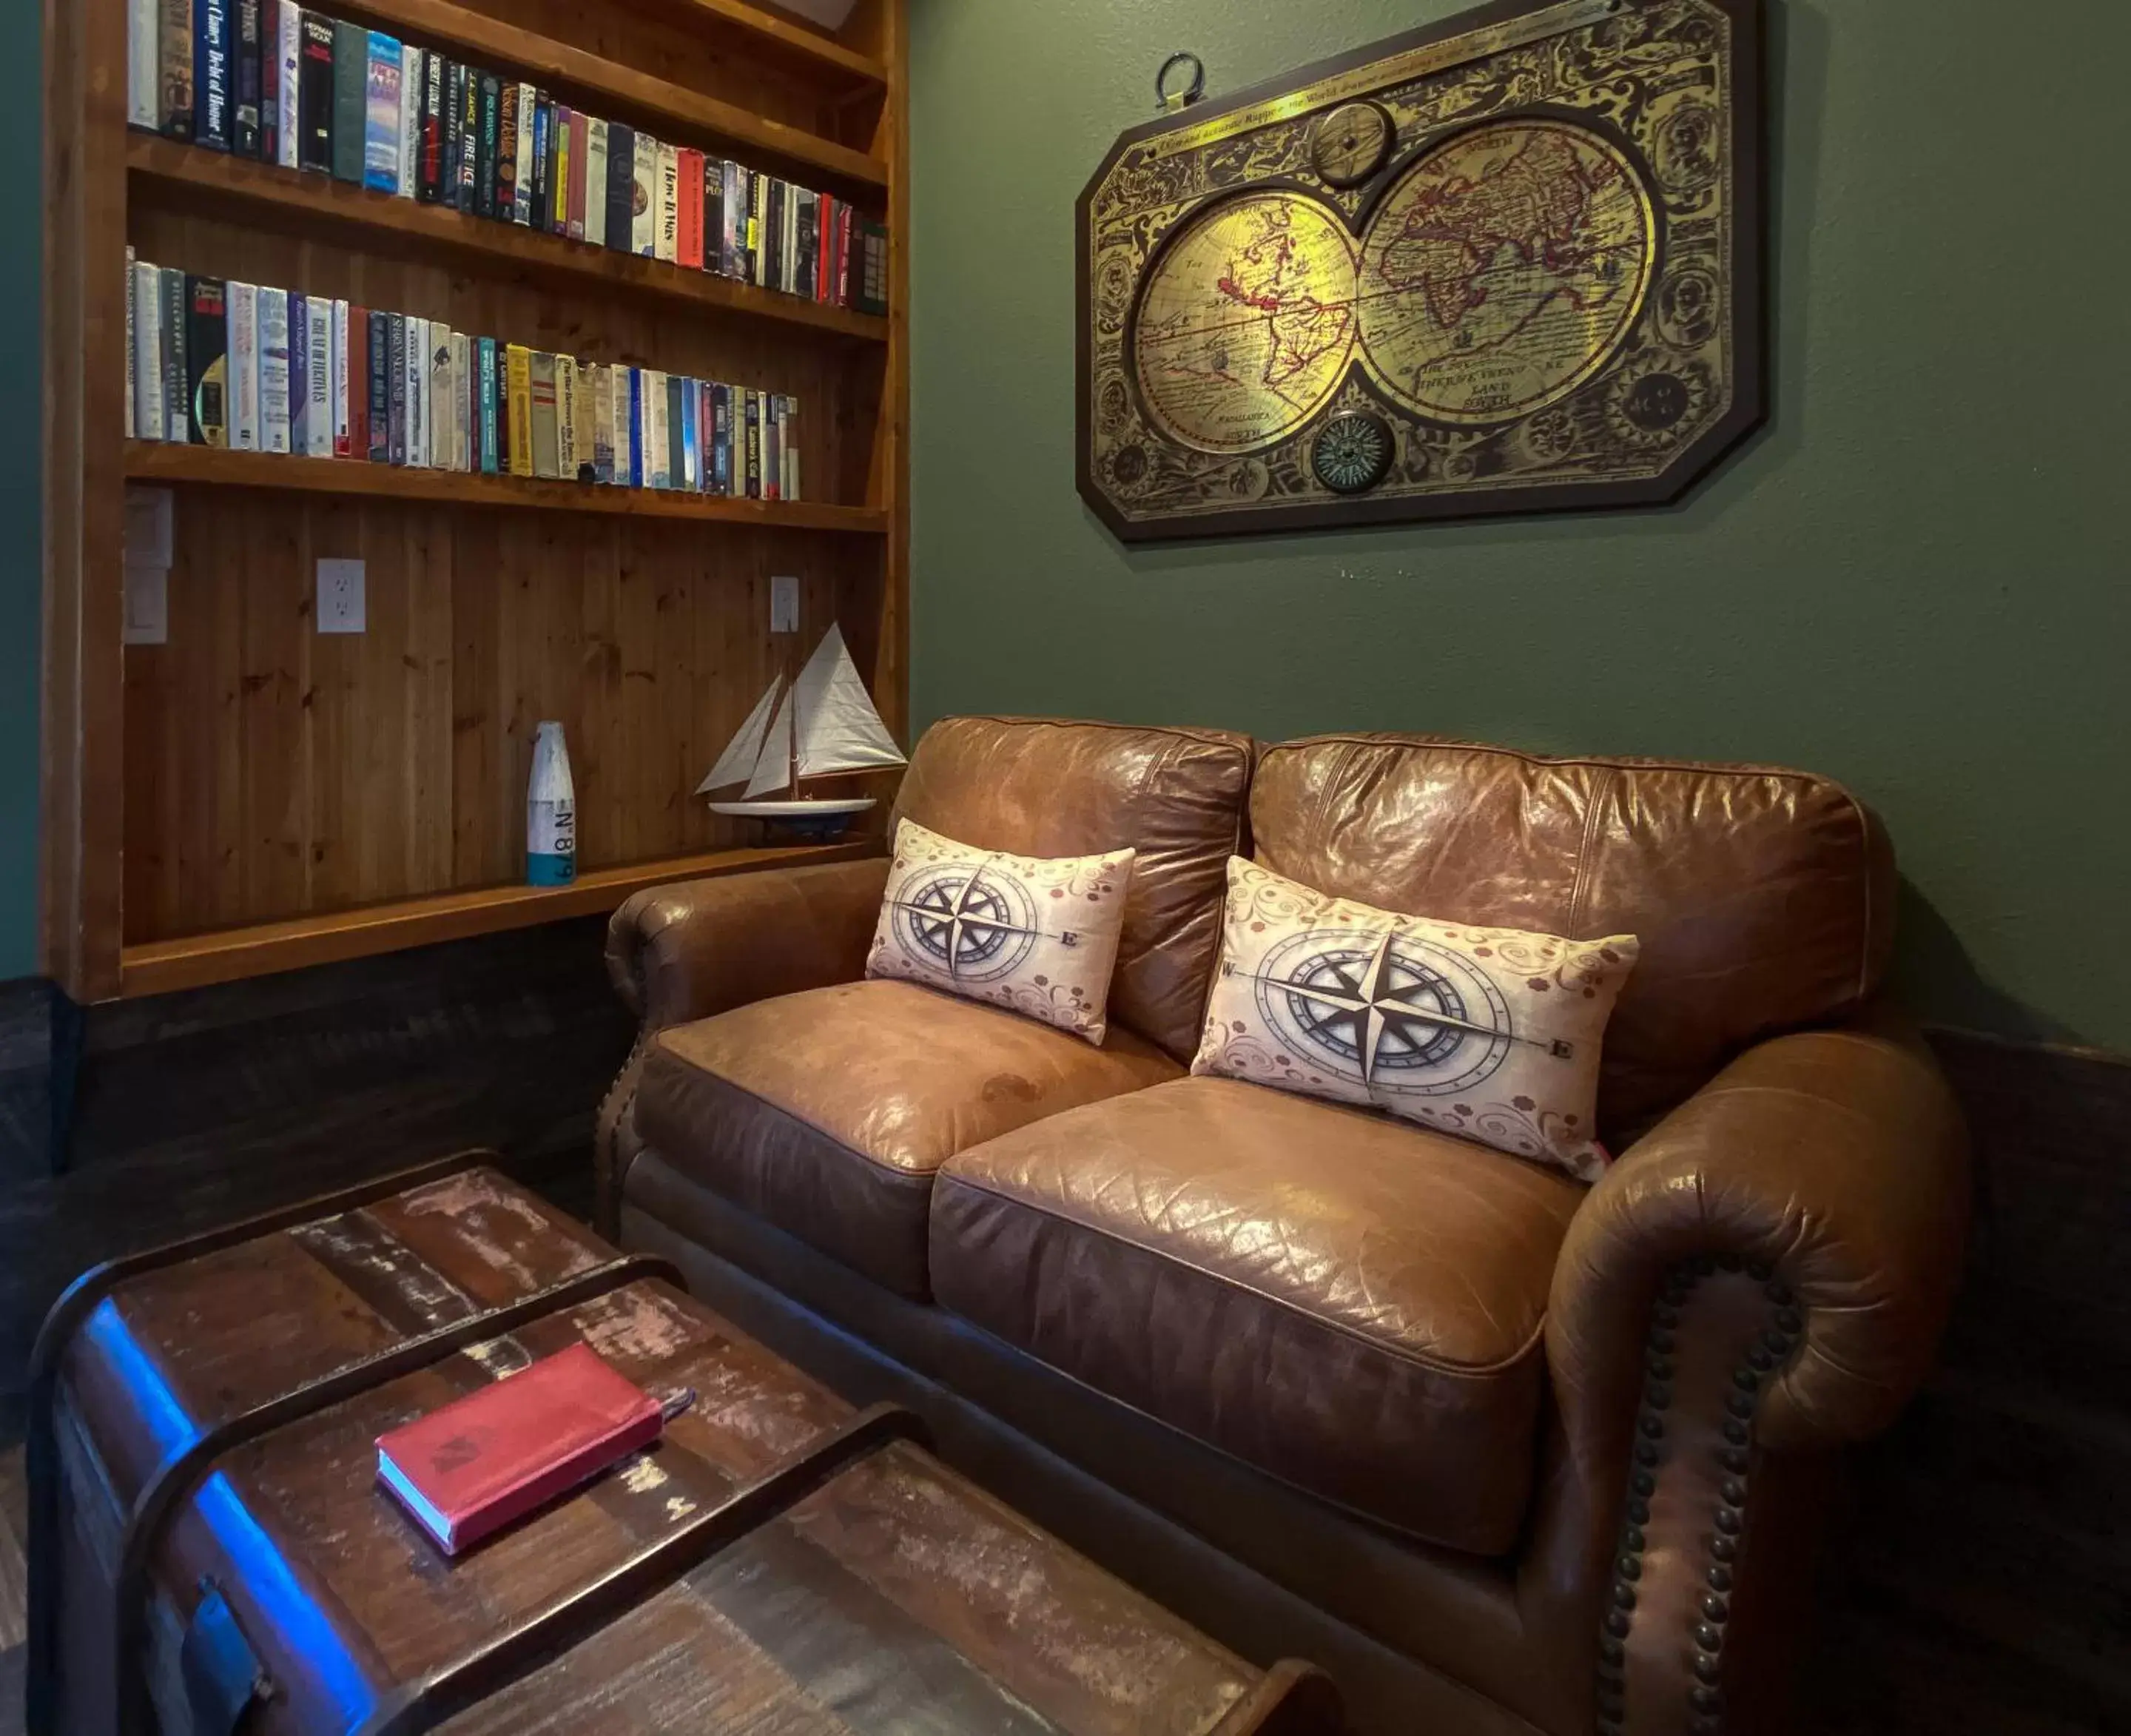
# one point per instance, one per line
(1509, 263)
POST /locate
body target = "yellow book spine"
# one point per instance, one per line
(562, 187)
(517, 362)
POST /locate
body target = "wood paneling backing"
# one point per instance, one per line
(273, 771)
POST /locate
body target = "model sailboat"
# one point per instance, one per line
(821, 724)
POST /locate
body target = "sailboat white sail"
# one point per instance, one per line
(821, 724)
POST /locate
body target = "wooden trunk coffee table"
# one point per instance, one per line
(210, 1552)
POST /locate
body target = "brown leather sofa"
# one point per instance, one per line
(1503, 1452)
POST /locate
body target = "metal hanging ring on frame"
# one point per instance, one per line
(1164, 101)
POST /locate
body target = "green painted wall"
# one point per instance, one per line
(21, 584)
(1914, 580)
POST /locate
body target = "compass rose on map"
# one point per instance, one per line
(976, 926)
(1387, 1011)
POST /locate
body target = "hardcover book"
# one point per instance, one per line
(558, 171)
(440, 400)
(474, 1466)
(455, 99)
(144, 63)
(687, 403)
(466, 406)
(410, 119)
(379, 414)
(721, 464)
(339, 336)
(688, 209)
(714, 216)
(396, 385)
(595, 184)
(547, 460)
(624, 427)
(506, 151)
(771, 449)
(174, 70)
(207, 361)
(289, 138)
(667, 193)
(466, 195)
(318, 376)
(418, 394)
(621, 186)
(492, 134)
(644, 198)
(271, 13)
(492, 460)
(211, 71)
(145, 306)
(787, 424)
(753, 417)
(542, 192)
(380, 155)
(580, 168)
(250, 77)
(345, 128)
(566, 417)
(244, 368)
(300, 373)
(273, 316)
(869, 266)
(521, 184)
(806, 243)
(602, 396)
(518, 363)
(430, 179)
(175, 363)
(657, 437)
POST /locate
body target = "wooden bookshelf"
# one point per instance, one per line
(162, 967)
(148, 461)
(186, 176)
(254, 796)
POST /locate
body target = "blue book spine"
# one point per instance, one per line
(491, 459)
(691, 477)
(636, 427)
(210, 74)
(380, 136)
(299, 375)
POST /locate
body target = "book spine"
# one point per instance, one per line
(440, 433)
(429, 183)
(206, 361)
(519, 361)
(250, 79)
(714, 215)
(210, 74)
(452, 126)
(289, 137)
(579, 171)
(686, 402)
(465, 405)
(771, 449)
(667, 232)
(825, 223)
(346, 124)
(728, 219)
(145, 313)
(410, 121)
(521, 186)
(506, 151)
(144, 63)
(688, 209)
(132, 344)
(243, 368)
(491, 135)
(657, 431)
(491, 453)
(379, 414)
(542, 196)
(791, 425)
(320, 430)
(566, 418)
(297, 313)
(757, 213)
(542, 373)
(624, 427)
(722, 439)
(395, 418)
(174, 70)
(418, 394)
(753, 445)
(343, 410)
(464, 193)
(600, 387)
(620, 184)
(644, 198)
(596, 142)
(176, 364)
(380, 156)
(273, 305)
(269, 79)
(558, 171)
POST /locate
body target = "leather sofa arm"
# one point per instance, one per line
(683, 952)
(1835, 1161)
(679, 953)
(1760, 1280)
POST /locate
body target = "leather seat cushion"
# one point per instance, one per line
(1350, 1303)
(828, 1113)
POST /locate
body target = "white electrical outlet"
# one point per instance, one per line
(340, 596)
(783, 605)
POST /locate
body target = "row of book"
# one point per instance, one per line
(273, 80)
(256, 369)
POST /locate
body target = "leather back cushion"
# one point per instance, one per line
(1046, 788)
(1763, 898)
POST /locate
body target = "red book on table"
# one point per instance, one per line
(493, 1456)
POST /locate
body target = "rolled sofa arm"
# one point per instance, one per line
(683, 953)
(1761, 1279)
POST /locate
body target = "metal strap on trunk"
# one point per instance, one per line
(422, 1705)
(74, 1306)
(175, 1478)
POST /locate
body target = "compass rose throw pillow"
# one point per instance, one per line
(1490, 1033)
(1036, 937)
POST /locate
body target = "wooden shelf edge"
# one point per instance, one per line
(165, 967)
(320, 198)
(550, 62)
(790, 36)
(150, 461)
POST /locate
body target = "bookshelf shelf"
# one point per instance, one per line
(574, 71)
(190, 176)
(195, 960)
(147, 461)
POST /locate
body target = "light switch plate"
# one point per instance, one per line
(147, 605)
(340, 596)
(784, 604)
